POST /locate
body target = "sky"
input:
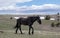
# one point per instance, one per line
(29, 7)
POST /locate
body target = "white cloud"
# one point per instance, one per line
(34, 8)
(22, 1)
(9, 2)
(46, 6)
(10, 7)
(52, 6)
(40, 7)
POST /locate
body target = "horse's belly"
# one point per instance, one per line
(24, 23)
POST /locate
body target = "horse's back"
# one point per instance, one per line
(24, 21)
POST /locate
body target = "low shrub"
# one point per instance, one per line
(52, 24)
(47, 17)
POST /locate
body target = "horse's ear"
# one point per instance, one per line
(38, 16)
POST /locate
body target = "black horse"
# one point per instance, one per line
(27, 21)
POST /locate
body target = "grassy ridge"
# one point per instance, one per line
(6, 23)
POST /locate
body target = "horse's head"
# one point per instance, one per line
(38, 19)
(35, 18)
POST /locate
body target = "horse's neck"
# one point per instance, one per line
(33, 19)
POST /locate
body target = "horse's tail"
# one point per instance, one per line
(16, 25)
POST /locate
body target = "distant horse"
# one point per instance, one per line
(27, 21)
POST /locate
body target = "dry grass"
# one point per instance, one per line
(41, 31)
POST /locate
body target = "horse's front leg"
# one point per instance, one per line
(32, 30)
(29, 29)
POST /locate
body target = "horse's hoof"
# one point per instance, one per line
(15, 33)
(2, 31)
(32, 33)
(29, 33)
(22, 33)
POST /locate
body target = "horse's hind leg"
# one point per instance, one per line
(20, 29)
(16, 30)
